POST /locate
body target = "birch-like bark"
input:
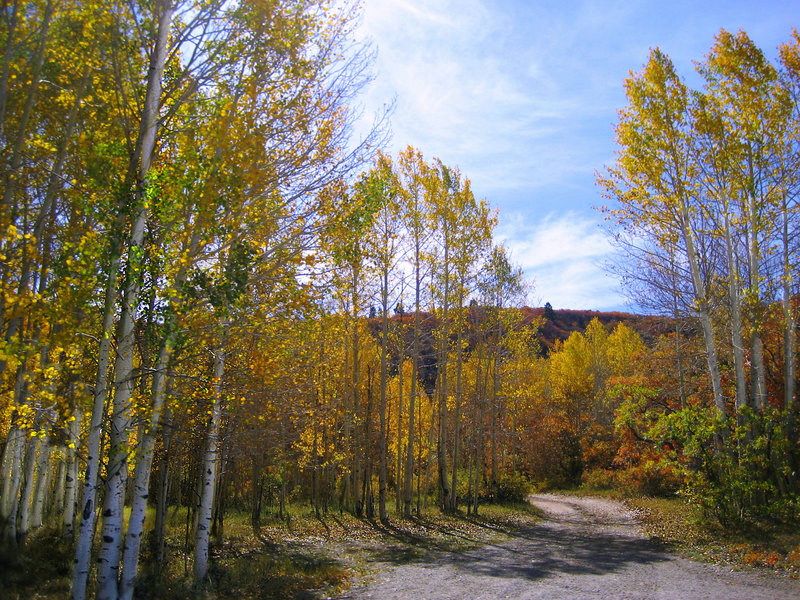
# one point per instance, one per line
(17, 462)
(735, 303)
(789, 335)
(70, 493)
(357, 450)
(441, 438)
(9, 470)
(10, 524)
(398, 495)
(384, 382)
(758, 372)
(210, 461)
(10, 503)
(111, 538)
(144, 463)
(42, 483)
(83, 546)
(457, 413)
(144, 460)
(57, 502)
(493, 401)
(409, 482)
(160, 526)
(27, 489)
(703, 309)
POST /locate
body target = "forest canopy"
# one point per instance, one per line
(213, 296)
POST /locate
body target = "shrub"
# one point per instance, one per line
(600, 479)
(512, 487)
(733, 471)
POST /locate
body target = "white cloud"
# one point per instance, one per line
(563, 254)
(480, 86)
(521, 95)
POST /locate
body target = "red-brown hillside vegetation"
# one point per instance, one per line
(557, 326)
(561, 323)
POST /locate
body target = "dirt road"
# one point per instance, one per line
(586, 548)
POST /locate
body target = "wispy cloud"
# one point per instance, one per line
(522, 95)
(563, 253)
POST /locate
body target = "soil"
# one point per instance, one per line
(586, 547)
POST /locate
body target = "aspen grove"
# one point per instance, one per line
(215, 297)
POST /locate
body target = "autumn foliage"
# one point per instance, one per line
(212, 298)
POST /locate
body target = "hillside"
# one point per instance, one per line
(559, 324)
(554, 326)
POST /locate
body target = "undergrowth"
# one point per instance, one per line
(296, 554)
(767, 544)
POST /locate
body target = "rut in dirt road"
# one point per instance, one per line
(586, 548)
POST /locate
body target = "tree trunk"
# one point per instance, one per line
(144, 463)
(384, 383)
(368, 496)
(409, 482)
(457, 419)
(210, 461)
(16, 151)
(10, 472)
(27, 489)
(493, 419)
(16, 480)
(703, 310)
(399, 479)
(83, 547)
(57, 502)
(162, 500)
(71, 478)
(441, 440)
(10, 502)
(42, 484)
(736, 318)
(355, 471)
(109, 556)
(11, 26)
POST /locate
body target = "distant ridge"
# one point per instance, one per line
(561, 323)
(553, 328)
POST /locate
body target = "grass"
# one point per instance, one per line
(41, 571)
(299, 556)
(672, 520)
(771, 545)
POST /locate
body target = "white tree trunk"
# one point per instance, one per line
(83, 547)
(71, 480)
(205, 506)
(11, 499)
(703, 309)
(42, 483)
(144, 463)
(27, 490)
(109, 556)
(57, 502)
(735, 303)
(10, 470)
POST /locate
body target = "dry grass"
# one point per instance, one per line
(771, 545)
(299, 556)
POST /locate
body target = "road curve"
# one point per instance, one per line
(585, 548)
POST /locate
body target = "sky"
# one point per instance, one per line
(522, 97)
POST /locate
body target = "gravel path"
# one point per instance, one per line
(586, 548)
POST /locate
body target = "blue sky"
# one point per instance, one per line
(522, 97)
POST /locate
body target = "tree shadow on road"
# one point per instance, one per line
(538, 552)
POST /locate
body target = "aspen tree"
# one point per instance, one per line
(412, 172)
(655, 182)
